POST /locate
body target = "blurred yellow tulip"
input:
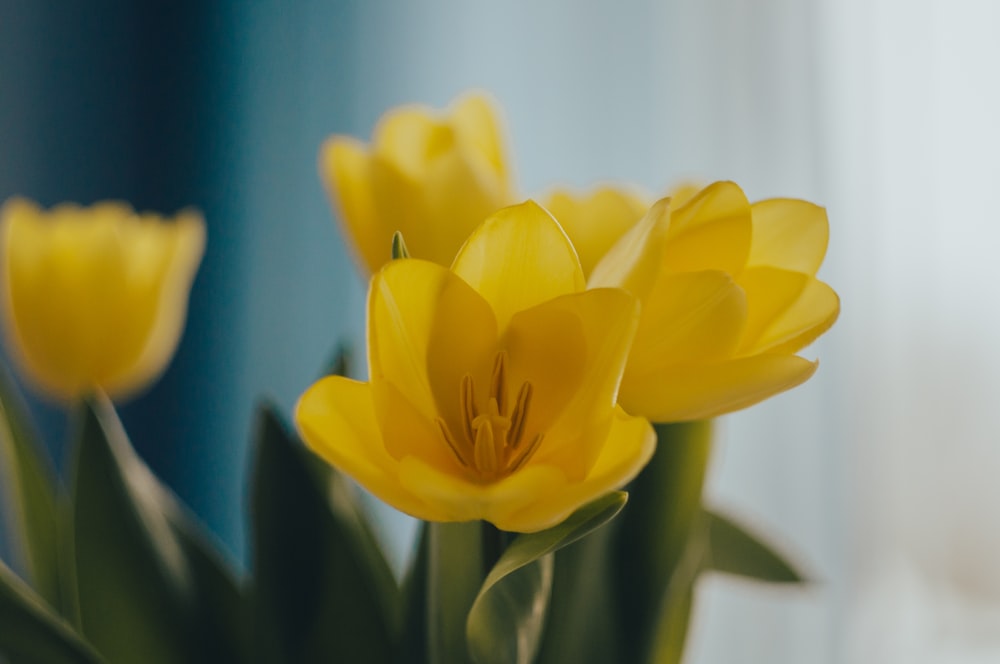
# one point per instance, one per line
(95, 298)
(493, 385)
(432, 177)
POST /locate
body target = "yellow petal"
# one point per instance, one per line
(182, 245)
(416, 309)
(406, 431)
(684, 192)
(435, 204)
(711, 232)
(476, 120)
(637, 259)
(457, 193)
(573, 350)
(408, 136)
(789, 234)
(696, 392)
(336, 418)
(538, 496)
(457, 498)
(63, 279)
(688, 317)
(518, 258)
(787, 310)
(596, 220)
(627, 448)
(345, 171)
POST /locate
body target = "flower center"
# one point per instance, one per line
(491, 441)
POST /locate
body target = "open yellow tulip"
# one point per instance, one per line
(433, 178)
(95, 298)
(729, 295)
(493, 385)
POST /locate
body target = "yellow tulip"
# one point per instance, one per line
(729, 294)
(95, 298)
(493, 385)
(433, 178)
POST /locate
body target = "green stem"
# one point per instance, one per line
(456, 563)
(657, 528)
(495, 541)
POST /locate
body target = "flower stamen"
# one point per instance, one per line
(491, 445)
(448, 438)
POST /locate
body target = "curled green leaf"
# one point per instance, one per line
(505, 623)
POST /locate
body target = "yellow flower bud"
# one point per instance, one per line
(432, 177)
(95, 298)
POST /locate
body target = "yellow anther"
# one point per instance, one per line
(448, 438)
(491, 444)
(485, 451)
(498, 383)
(467, 402)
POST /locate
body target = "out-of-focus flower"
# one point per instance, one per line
(432, 177)
(95, 298)
(493, 385)
(595, 220)
(729, 295)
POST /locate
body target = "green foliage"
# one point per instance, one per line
(322, 589)
(734, 550)
(127, 575)
(28, 487)
(149, 590)
(505, 623)
(32, 633)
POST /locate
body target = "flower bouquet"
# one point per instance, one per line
(540, 382)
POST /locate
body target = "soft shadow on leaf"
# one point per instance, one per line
(507, 617)
(30, 632)
(323, 590)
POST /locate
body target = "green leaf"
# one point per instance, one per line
(580, 626)
(505, 623)
(399, 249)
(412, 645)
(324, 592)
(221, 616)
(29, 487)
(672, 628)
(150, 590)
(32, 633)
(656, 530)
(340, 362)
(734, 550)
(455, 574)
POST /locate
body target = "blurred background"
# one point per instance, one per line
(879, 474)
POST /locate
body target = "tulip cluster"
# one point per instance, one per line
(526, 361)
(723, 291)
